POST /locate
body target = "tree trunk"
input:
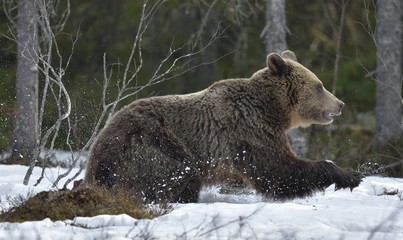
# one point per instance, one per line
(26, 125)
(275, 29)
(389, 72)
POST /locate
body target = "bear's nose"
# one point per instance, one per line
(341, 105)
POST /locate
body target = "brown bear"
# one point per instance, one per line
(165, 148)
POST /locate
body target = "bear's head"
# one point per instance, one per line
(310, 102)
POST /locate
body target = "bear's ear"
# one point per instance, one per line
(287, 54)
(276, 65)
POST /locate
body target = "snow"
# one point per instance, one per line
(374, 210)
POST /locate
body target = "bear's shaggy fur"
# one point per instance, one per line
(165, 148)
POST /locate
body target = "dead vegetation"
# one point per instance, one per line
(68, 204)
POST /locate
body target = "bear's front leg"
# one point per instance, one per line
(342, 178)
(294, 178)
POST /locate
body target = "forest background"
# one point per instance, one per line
(229, 39)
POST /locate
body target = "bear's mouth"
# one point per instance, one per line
(329, 116)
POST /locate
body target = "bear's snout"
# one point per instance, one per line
(332, 108)
(334, 104)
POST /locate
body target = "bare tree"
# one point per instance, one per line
(26, 125)
(52, 76)
(389, 73)
(174, 64)
(40, 57)
(339, 33)
(337, 25)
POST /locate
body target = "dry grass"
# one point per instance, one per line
(80, 201)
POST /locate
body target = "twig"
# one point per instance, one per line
(338, 44)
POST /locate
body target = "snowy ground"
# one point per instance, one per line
(374, 210)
